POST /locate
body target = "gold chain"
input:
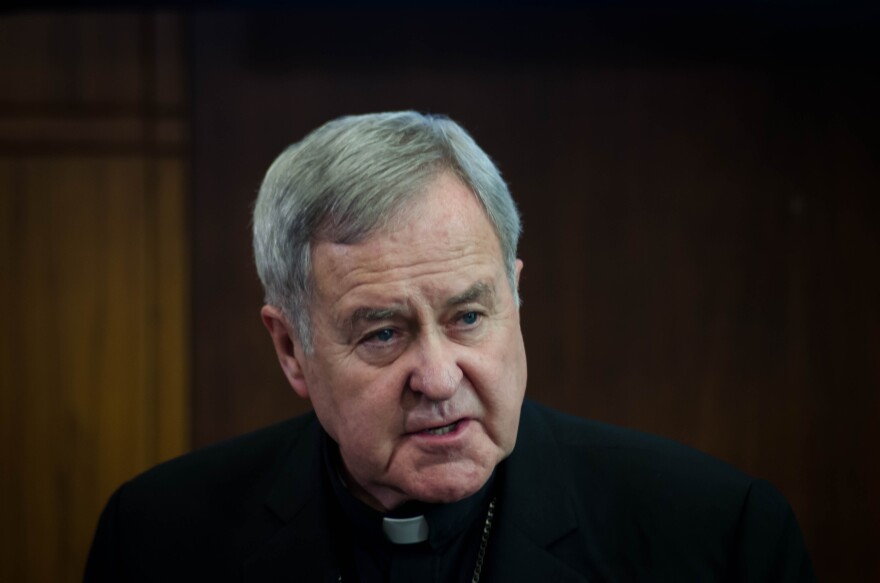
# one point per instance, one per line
(481, 554)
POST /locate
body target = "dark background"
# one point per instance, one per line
(699, 193)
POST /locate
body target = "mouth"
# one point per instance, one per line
(441, 430)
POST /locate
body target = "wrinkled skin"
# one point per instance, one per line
(415, 329)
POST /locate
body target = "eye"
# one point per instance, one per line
(470, 318)
(383, 335)
(382, 346)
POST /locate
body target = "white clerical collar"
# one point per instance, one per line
(406, 531)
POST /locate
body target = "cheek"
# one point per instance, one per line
(512, 359)
(507, 391)
(365, 402)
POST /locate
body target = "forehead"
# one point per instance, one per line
(441, 242)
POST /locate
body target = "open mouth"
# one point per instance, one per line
(441, 430)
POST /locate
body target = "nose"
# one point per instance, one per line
(435, 374)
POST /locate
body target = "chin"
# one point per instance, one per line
(453, 485)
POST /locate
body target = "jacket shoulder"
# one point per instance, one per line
(649, 505)
(205, 512)
(599, 451)
(237, 464)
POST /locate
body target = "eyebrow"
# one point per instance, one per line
(479, 291)
(368, 314)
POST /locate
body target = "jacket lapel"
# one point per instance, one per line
(535, 509)
(519, 558)
(302, 546)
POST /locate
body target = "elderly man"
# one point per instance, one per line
(387, 248)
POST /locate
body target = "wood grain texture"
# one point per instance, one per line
(94, 293)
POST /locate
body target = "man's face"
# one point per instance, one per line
(419, 368)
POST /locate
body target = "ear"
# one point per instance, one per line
(519, 266)
(287, 347)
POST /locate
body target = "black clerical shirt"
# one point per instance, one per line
(449, 553)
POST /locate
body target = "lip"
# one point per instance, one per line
(461, 426)
(420, 426)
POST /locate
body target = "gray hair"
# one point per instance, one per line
(346, 180)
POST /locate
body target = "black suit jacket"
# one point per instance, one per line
(577, 501)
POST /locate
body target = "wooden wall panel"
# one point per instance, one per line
(94, 292)
(61, 60)
(701, 221)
